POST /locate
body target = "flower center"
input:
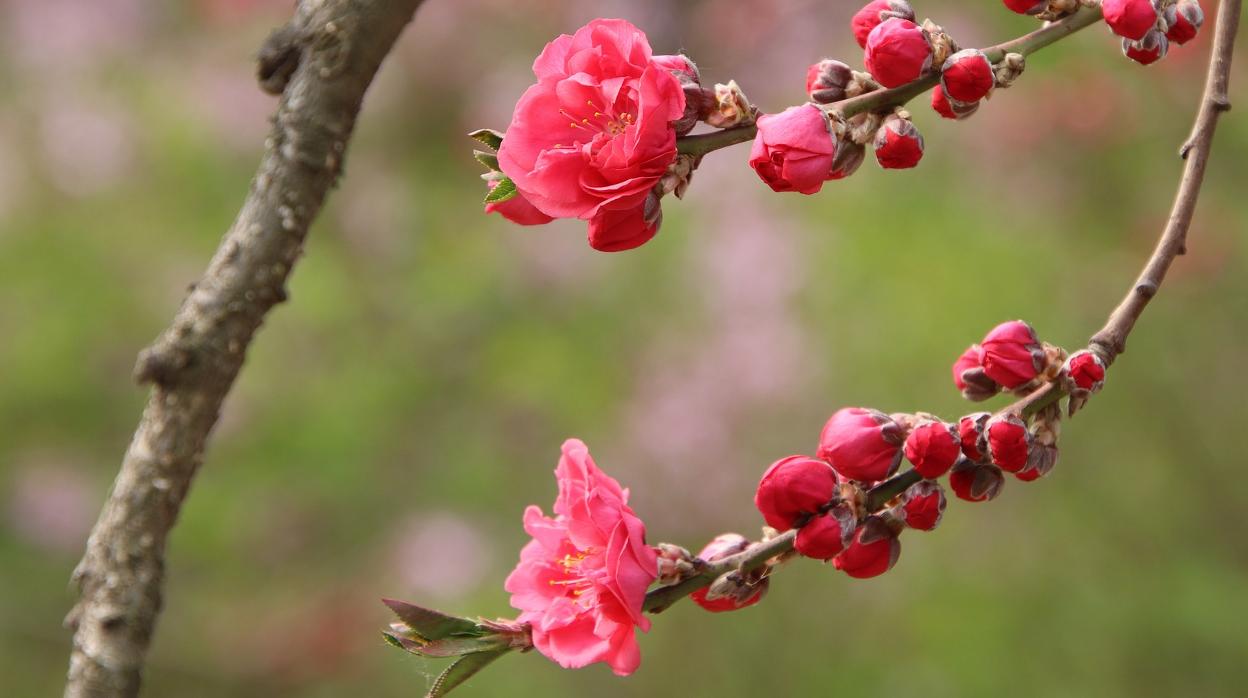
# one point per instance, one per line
(574, 584)
(610, 124)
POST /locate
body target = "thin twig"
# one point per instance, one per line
(1110, 341)
(322, 62)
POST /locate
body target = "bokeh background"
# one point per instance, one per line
(395, 418)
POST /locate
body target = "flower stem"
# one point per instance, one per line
(882, 100)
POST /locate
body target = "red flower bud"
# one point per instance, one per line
(746, 594)
(924, 505)
(876, 11)
(793, 488)
(826, 81)
(933, 448)
(1027, 7)
(1043, 458)
(971, 434)
(1130, 19)
(849, 156)
(1146, 51)
(967, 76)
(826, 535)
(1084, 371)
(1012, 355)
(898, 144)
(1009, 442)
(948, 110)
(873, 552)
(969, 359)
(794, 150)
(897, 51)
(976, 482)
(1184, 20)
(861, 444)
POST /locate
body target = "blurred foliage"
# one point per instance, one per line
(395, 418)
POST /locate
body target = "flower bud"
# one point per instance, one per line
(969, 376)
(861, 444)
(898, 144)
(1183, 21)
(976, 482)
(698, 101)
(849, 156)
(1009, 442)
(876, 11)
(1130, 19)
(1027, 7)
(794, 488)
(731, 593)
(971, 435)
(826, 535)
(826, 81)
(1084, 372)
(897, 51)
(948, 110)
(732, 108)
(873, 551)
(933, 447)
(1040, 463)
(924, 505)
(967, 76)
(794, 150)
(1012, 355)
(1146, 51)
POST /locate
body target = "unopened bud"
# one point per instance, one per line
(897, 52)
(1183, 21)
(849, 156)
(923, 505)
(826, 81)
(826, 535)
(1012, 355)
(971, 434)
(950, 110)
(932, 447)
(976, 482)
(792, 489)
(876, 11)
(861, 444)
(898, 144)
(1009, 442)
(1148, 50)
(731, 107)
(873, 551)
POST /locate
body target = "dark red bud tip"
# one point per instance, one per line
(1027, 7)
(731, 592)
(924, 505)
(861, 444)
(976, 482)
(1148, 50)
(1130, 19)
(826, 535)
(1183, 21)
(793, 489)
(897, 52)
(933, 447)
(873, 552)
(971, 434)
(826, 81)
(1041, 462)
(1009, 442)
(967, 76)
(870, 16)
(1084, 372)
(1012, 355)
(898, 144)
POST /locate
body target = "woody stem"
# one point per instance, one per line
(884, 100)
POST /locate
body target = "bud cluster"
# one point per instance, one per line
(1147, 27)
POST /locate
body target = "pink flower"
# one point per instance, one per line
(581, 581)
(594, 135)
(517, 209)
(861, 444)
(1011, 354)
(794, 149)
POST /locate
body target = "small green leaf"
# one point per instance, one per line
(491, 138)
(393, 641)
(461, 670)
(429, 624)
(490, 160)
(504, 190)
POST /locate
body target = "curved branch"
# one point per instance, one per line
(322, 62)
(1110, 341)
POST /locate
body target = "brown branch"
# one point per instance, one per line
(1110, 341)
(322, 62)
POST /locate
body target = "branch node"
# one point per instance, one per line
(1146, 289)
(160, 365)
(279, 55)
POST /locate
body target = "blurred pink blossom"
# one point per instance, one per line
(51, 505)
(440, 555)
(88, 143)
(54, 36)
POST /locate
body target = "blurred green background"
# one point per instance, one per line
(395, 418)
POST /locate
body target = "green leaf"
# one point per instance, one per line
(429, 624)
(491, 138)
(502, 192)
(461, 670)
(490, 160)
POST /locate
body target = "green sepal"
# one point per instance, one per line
(490, 160)
(491, 138)
(461, 670)
(430, 625)
(504, 190)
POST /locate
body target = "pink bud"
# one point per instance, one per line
(794, 149)
(1084, 371)
(971, 434)
(933, 447)
(826, 81)
(1130, 19)
(976, 482)
(861, 444)
(898, 144)
(747, 593)
(897, 51)
(794, 488)
(948, 110)
(1012, 355)
(1009, 442)
(1146, 51)
(1027, 7)
(967, 76)
(1184, 20)
(826, 535)
(924, 505)
(876, 11)
(873, 552)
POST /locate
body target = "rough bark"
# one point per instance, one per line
(322, 62)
